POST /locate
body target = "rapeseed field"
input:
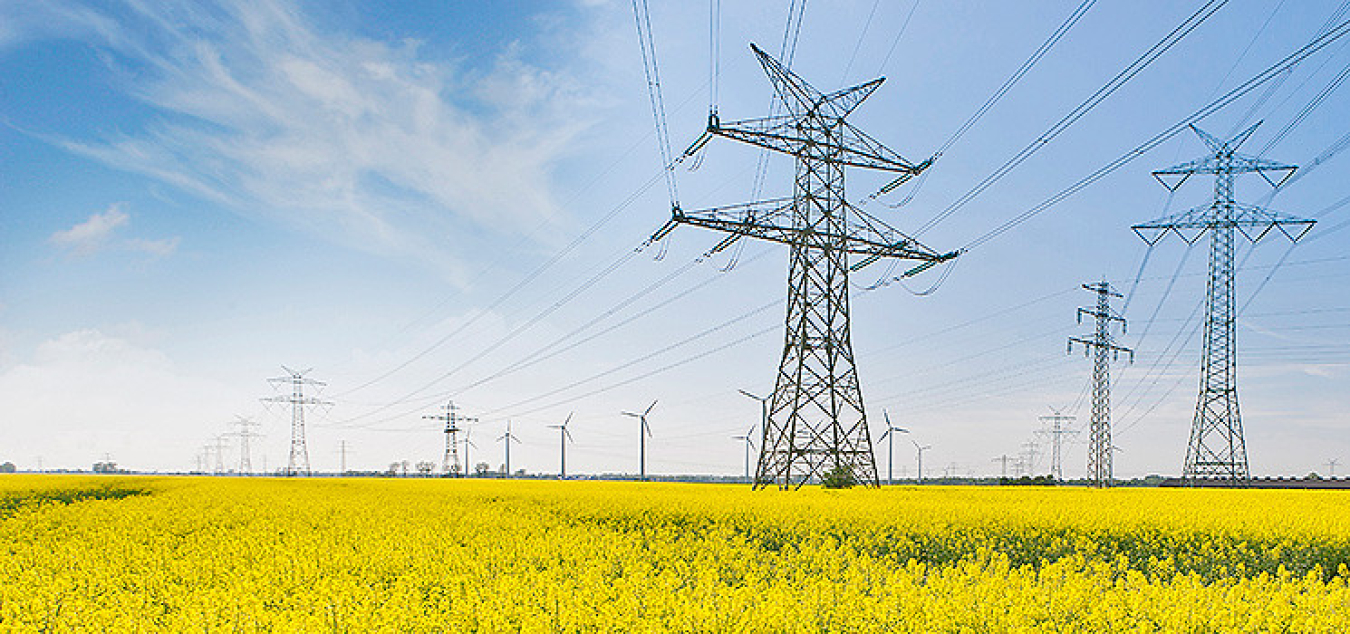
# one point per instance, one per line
(352, 555)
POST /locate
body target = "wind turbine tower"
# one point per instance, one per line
(889, 435)
(644, 431)
(817, 422)
(1217, 448)
(749, 439)
(564, 437)
(508, 438)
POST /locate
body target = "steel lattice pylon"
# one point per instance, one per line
(1105, 348)
(816, 422)
(299, 457)
(451, 417)
(1217, 449)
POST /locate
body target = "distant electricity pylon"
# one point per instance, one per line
(817, 422)
(1057, 431)
(889, 435)
(220, 441)
(299, 458)
(450, 416)
(1104, 345)
(1003, 465)
(1217, 448)
(508, 438)
(564, 437)
(644, 430)
(244, 434)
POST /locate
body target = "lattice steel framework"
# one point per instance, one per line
(299, 459)
(1104, 348)
(450, 416)
(1217, 449)
(816, 422)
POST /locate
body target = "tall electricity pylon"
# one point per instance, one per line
(1057, 431)
(450, 416)
(299, 458)
(244, 434)
(817, 423)
(1217, 448)
(1104, 345)
(342, 457)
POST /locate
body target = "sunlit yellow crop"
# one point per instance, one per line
(320, 555)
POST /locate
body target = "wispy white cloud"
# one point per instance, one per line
(98, 233)
(367, 142)
(93, 234)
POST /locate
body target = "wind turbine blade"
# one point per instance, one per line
(887, 415)
(569, 419)
(649, 408)
(631, 414)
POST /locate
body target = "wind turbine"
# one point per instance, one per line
(563, 437)
(763, 412)
(921, 449)
(467, 443)
(889, 435)
(509, 438)
(749, 440)
(643, 431)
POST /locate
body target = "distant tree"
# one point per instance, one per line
(1312, 476)
(106, 467)
(482, 468)
(424, 467)
(520, 473)
(8, 467)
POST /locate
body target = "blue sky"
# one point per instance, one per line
(193, 194)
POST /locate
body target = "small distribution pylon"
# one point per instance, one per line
(450, 416)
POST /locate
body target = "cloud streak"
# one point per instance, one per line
(364, 142)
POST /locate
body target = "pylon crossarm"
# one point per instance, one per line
(1230, 164)
(772, 221)
(1189, 224)
(853, 147)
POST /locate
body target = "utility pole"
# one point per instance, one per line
(749, 440)
(1104, 345)
(1217, 449)
(643, 431)
(508, 438)
(1056, 432)
(817, 423)
(299, 459)
(450, 416)
(342, 457)
(244, 434)
(889, 435)
(563, 437)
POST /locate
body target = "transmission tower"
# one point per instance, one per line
(1217, 449)
(1103, 344)
(299, 458)
(244, 434)
(1057, 431)
(817, 422)
(450, 416)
